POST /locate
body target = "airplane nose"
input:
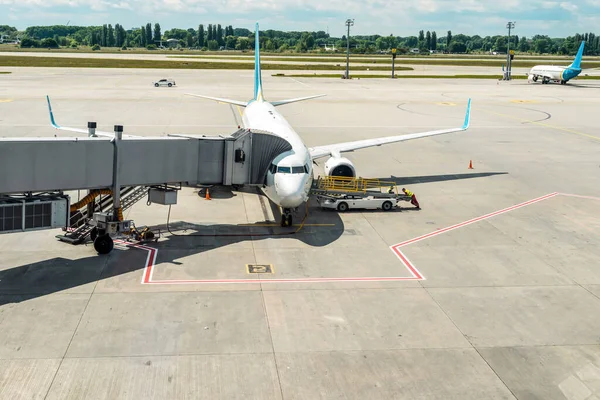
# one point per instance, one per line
(290, 192)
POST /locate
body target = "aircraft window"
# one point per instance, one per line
(298, 170)
(273, 168)
(285, 170)
(306, 169)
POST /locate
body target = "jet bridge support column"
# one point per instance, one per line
(92, 129)
(116, 187)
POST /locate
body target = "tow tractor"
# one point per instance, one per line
(343, 193)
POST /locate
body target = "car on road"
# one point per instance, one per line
(164, 82)
(346, 202)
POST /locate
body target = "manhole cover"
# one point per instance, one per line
(259, 268)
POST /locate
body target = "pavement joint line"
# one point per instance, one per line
(62, 359)
(414, 272)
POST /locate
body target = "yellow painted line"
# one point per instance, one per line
(558, 128)
(523, 101)
(5, 100)
(446, 103)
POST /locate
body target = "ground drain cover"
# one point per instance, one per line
(259, 268)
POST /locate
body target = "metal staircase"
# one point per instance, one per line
(79, 229)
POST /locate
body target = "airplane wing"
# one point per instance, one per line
(78, 130)
(336, 149)
(220, 100)
(288, 101)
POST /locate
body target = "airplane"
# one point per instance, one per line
(557, 73)
(290, 175)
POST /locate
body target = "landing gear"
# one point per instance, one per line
(545, 80)
(103, 244)
(535, 78)
(563, 82)
(286, 218)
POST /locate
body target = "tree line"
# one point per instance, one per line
(216, 37)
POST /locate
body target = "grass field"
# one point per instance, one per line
(66, 62)
(371, 76)
(495, 62)
(314, 54)
(5, 72)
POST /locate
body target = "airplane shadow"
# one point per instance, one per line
(178, 239)
(411, 180)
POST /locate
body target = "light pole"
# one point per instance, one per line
(510, 25)
(349, 23)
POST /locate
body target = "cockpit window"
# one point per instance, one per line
(285, 170)
(298, 170)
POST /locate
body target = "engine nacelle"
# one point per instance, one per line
(340, 166)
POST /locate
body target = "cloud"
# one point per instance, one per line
(399, 17)
(569, 6)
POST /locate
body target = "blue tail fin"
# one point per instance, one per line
(258, 95)
(577, 62)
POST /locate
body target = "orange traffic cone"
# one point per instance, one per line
(470, 164)
(207, 195)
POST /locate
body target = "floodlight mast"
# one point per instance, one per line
(509, 25)
(349, 23)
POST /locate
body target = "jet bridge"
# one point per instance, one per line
(35, 173)
(62, 164)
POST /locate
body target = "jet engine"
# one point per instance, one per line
(340, 166)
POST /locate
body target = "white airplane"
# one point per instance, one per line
(557, 73)
(290, 175)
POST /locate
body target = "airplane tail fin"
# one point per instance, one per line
(258, 94)
(577, 62)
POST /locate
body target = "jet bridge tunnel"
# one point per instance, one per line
(40, 170)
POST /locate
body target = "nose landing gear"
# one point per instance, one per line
(286, 218)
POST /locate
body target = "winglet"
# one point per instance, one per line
(52, 121)
(467, 116)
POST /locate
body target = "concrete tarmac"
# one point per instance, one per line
(503, 305)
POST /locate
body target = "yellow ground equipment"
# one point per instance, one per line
(344, 185)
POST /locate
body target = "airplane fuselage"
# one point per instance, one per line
(290, 175)
(554, 73)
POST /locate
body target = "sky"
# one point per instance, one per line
(383, 17)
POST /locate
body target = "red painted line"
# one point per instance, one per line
(291, 280)
(150, 260)
(149, 265)
(409, 265)
(580, 196)
(416, 275)
(471, 221)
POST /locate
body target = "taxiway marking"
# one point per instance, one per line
(558, 128)
(147, 277)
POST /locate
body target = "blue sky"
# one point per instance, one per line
(398, 17)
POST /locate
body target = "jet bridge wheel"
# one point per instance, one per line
(103, 244)
(94, 233)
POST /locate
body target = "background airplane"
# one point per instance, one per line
(557, 73)
(290, 175)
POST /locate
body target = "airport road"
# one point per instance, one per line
(507, 308)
